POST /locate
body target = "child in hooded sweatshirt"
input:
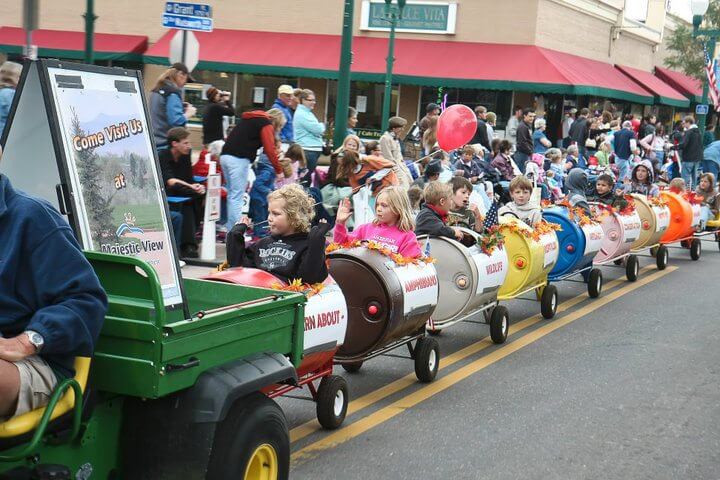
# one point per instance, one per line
(711, 199)
(433, 216)
(292, 250)
(641, 180)
(576, 183)
(520, 191)
(392, 227)
(605, 193)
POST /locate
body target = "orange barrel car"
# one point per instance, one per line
(684, 219)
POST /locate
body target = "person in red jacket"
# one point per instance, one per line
(255, 129)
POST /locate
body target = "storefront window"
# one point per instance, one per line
(498, 101)
(367, 98)
(248, 92)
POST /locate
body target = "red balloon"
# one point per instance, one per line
(456, 127)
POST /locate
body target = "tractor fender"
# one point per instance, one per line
(218, 388)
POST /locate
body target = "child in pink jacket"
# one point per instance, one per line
(392, 227)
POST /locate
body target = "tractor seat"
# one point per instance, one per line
(27, 422)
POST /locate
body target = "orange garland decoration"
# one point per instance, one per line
(491, 239)
(657, 201)
(298, 287)
(538, 230)
(371, 245)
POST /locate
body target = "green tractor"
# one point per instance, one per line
(174, 389)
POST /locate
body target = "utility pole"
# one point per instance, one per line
(394, 13)
(90, 18)
(343, 87)
(698, 8)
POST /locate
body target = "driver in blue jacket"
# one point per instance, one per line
(51, 303)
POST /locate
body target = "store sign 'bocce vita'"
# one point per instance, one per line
(419, 17)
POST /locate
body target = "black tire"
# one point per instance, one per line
(353, 367)
(662, 257)
(695, 249)
(549, 301)
(595, 283)
(499, 324)
(632, 268)
(427, 359)
(332, 401)
(252, 423)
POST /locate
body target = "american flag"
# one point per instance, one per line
(491, 218)
(710, 70)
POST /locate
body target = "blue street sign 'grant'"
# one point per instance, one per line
(188, 16)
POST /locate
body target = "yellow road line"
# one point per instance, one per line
(367, 400)
(386, 413)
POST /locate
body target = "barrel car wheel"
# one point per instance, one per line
(332, 401)
(632, 268)
(427, 359)
(549, 301)
(499, 324)
(695, 249)
(353, 367)
(662, 257)
(595, 283)
(252, 442)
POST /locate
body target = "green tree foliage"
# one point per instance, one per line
(686, 52)
(90, 173)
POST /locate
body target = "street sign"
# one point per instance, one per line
(189, 54)
(188, 16)
(701, 109)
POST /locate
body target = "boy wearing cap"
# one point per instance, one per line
(284, 103)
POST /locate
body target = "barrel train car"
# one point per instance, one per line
(326, 320)
(532, 254)
(621, 229)
(469, 281)
(389, 301)
(580, 240)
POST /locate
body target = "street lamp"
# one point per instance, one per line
(393, 13)
(698, 9)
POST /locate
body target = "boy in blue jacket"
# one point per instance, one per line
(51, 303)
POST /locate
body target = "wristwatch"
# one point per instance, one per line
(36, 339)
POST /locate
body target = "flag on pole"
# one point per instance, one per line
(711, 71)
(491, 218)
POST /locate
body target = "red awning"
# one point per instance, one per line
(664, 93)
(418, 62)
(689, 86)
(66, 44)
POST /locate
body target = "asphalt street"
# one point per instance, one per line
(623, 386)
